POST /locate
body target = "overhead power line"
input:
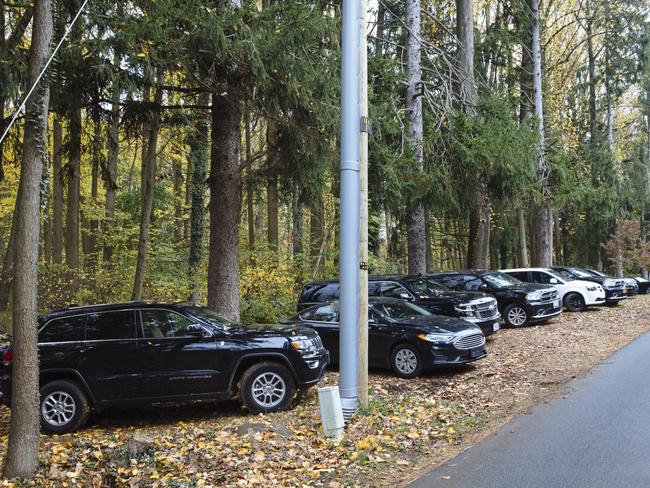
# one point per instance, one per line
(49, 61)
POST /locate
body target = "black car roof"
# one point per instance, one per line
(396, 277)
(464, 271)
(104, 307)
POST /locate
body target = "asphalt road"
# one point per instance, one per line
(598, 435)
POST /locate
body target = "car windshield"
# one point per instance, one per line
(641, 279)
(564, 274)
(425, 288)
(209, 316)
(398, 310)
(500, 280)
(597, 273)
(581, 273)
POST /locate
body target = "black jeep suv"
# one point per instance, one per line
(137, 353)
(475, 307)
(520, 303)
(401, 336)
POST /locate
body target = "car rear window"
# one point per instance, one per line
(319, 292)
(64, 329)
(103, 326)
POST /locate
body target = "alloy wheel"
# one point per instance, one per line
(517, 316)
(406, 361)
(268, 389)
(58, 408)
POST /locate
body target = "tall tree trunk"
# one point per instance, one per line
(479, 235)
(147, 189)
(543, 212)
(250, 204)
(428, 229)
(296, 222)
(3, 94)
(523, 245)
(225, 187)
(74, 184)
(416, 235)
(198, 142)
(93, 228)
(179, 197)
(272, 211)
(316, 228)
(113, 159)
(57, 192)
(22, 451)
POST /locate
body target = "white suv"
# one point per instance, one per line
(576, 295)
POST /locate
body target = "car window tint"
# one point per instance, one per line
(539, 277)
(453, 281)
(159, 324)
(65, 329)
(472, 283)
(521, 275)
(110, 325)
(320, 292)
(324, 313)
(393, 290)
(374, 288)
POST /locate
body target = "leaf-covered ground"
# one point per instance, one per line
(410, 426)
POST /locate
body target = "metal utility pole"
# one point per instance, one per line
(363, 235)
(349, 243)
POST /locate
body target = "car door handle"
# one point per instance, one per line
(84, 349)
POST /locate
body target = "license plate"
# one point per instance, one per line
(556, 303)
(496, 326)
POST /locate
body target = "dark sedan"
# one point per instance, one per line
(401, 336)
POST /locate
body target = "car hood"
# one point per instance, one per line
(438, 323)
(453, 296)
(283, 329)
(529, 287)
(583, 283)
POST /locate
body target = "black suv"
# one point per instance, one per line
(615, 289)
(475, 307)
(520, 303)
(401, 336)
(137, 353)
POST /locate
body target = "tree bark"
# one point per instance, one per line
(316, 228)
(296, 222)
(74, 184)
(416, 235)
(542, 213)
(91, 258)
(225, 203)
(523, 246)
(250, 203)
(113, 159)
(22, 451)
(198, 142)
(272, 206)
(57, 193)
(147, 189)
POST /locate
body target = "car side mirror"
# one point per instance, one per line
(553, 281)
(483, 287)
(195, 330)
(371, 321)
(405, 296)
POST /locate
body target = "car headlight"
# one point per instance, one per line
(593, 288)
(465, 309)
(441, 338)
(534, 296)
(304, 344)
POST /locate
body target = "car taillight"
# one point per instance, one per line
(7, 357)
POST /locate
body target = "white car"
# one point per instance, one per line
(576, 295)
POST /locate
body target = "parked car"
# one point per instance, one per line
(475, 307)
(401, 336)
(630, 283)
(137, 353)
(644, 285)
(576, 295)
(615, 289)
(520, 303)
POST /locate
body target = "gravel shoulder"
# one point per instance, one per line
(410, 426)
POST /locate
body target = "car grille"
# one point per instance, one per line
(485, 309)
(470, 341)
(318, 343)
(549, 295)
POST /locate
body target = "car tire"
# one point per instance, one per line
(405, 361)
(267, 387)
(64, 407)
(515, 315)
(574, 302)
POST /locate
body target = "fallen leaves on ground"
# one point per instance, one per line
(407, 427)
